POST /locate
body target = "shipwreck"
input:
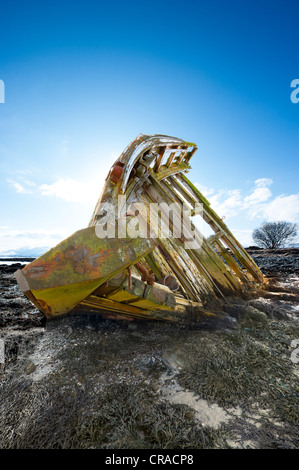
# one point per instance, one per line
(142, 256)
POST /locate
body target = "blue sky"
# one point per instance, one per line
(83, 79)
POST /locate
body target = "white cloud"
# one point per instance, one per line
(30, 183)
(283, 208)
(20, 188)
(258, 195)
(255, 201)
(204, 189)
(263, 182)
(257, 204)
(260, 204)
(226, 203)
(85, 187)
(72, 190)
(67, 189)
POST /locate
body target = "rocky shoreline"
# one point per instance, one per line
(280, 261)
(84, 382)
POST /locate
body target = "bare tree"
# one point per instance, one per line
(274, 234)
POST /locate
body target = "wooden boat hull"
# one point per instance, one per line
(156, 275)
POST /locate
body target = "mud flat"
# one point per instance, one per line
(85, 382)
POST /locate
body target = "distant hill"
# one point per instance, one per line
(291, 245)
(24, 252)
